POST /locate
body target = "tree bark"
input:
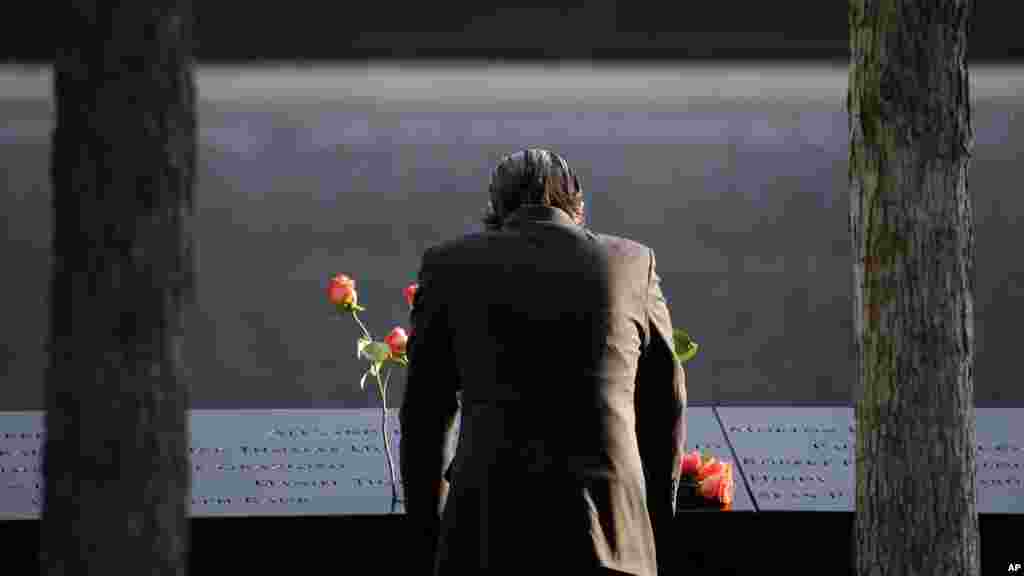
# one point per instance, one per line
(912, 227)
(115, 462)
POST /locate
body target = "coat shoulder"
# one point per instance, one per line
(623, 245)
(454, 244)
(450, 249)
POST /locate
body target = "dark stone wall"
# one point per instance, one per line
(745, 204)
(725, 543)
(644, 29)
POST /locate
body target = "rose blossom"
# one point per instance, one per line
(691, 464)
(341, 290)
(410, 292)
(719, 486)
(710, 468)
(396, 341)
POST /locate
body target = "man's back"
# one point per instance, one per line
(551, 335)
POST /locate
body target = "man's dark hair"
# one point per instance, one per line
(532, 176)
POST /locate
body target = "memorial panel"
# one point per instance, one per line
(251, 463)
(1000, 480)
(331, 462)
(794, 458)
(21, 444)
(801, 458)
(290, 462)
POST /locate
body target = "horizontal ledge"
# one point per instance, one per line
(448, 83)
(336, 410)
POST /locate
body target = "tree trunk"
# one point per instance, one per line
(116, 463)
(912, 226)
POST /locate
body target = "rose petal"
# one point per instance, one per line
(397, 341)
(690, 464)
(343, 280)
(709, 469)
(410, 293)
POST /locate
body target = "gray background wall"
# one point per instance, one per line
(737, 177)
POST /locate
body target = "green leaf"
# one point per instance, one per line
(689, 354)
(685, 347)
(376, 352)
(681, 340)
(361, 345)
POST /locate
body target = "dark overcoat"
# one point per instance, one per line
(556, 345)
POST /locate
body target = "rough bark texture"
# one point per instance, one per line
(115, 461)
(912, 226)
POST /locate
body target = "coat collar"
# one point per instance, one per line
(539, 213)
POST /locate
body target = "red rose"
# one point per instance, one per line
(341, 291)
(690, 464)
(710, 468)
(396, 341)
(410, 292)
(719, 486)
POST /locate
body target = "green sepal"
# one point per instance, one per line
(348, 308)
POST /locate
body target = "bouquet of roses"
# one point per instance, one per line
(341, 293)
(705, 482)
